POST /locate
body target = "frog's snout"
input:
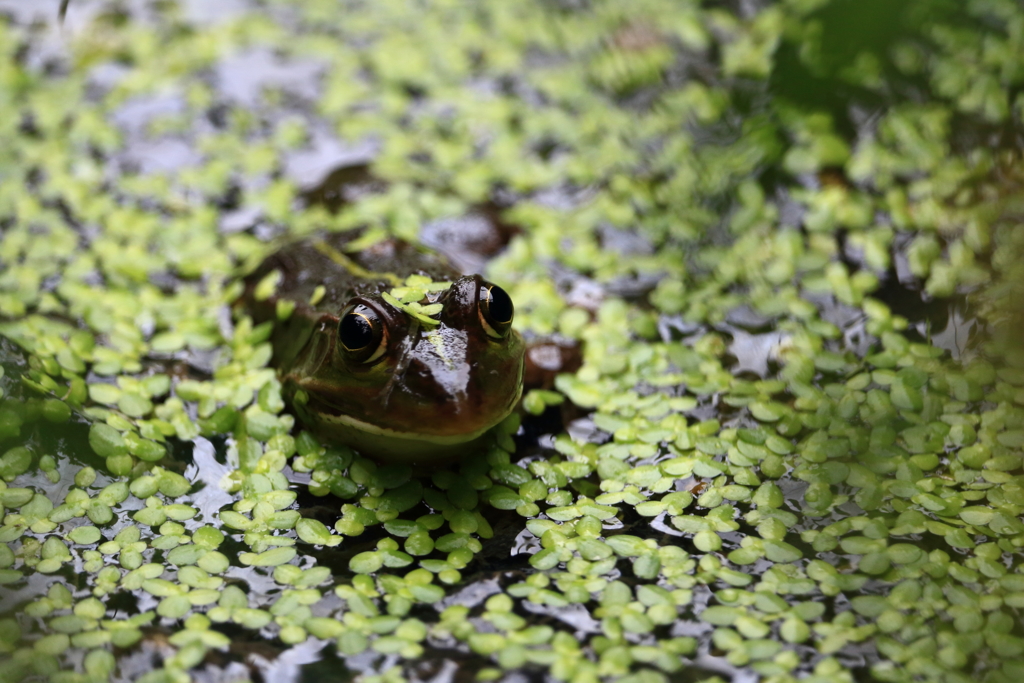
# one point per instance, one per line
(418, 380)
(438, 371)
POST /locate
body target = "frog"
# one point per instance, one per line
(410, 382)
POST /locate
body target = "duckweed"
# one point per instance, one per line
(786, 252)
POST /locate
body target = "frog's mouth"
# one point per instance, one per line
(330, 418)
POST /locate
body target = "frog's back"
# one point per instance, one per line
(325, 261)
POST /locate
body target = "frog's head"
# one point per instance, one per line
(408, 387)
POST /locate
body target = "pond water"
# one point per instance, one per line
(767, 257)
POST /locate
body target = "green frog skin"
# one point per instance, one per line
(361, 371)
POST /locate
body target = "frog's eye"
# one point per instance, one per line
(496, 310)
(361, 334)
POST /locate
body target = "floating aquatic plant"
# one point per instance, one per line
(775, 464)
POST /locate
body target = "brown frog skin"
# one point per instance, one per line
(360, 371)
